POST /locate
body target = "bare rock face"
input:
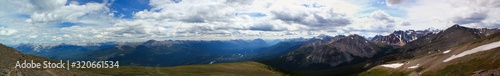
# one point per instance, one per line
(492, 72)
(336, 51)
(327, 53)
(444, 40)
(401, 37)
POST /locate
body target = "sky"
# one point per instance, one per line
(92, 21)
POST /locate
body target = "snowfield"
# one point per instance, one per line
(475, 50)
(394, 65)
(447, 51)
(415, 66)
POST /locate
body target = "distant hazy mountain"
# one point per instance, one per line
(61, 50)
(173, 53)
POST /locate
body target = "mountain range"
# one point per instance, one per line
(152, 52)
(477, 57)
(402, 37)
(321, 55)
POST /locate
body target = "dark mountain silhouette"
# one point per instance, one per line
(10, 56)
(61, 51)
(173, 53)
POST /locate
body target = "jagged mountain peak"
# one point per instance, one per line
(150, 41)
(323, 35)
(459, 27)
(401, 37)
(341, 36)
(355, 36)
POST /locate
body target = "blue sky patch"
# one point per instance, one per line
(124, 8)
(252, 14)
(314, 5)
(65, 24)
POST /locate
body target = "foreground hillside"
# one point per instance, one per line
(222, 69)
(479, 57)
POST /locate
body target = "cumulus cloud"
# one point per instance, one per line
(470, 18)
(57, 10)
(246, 15)
(375, 23)
(268, 27)
(405, 23)
(393, 2)
(444, 13)
(37, 21)
(204, 11)
(313, 18)
(177, 19)
(231, 19)
(382, 16)
(173, 19)
(263, 27)
(6, 31)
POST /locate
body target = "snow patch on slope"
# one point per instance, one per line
(475, 50)
(447, 51)
(394, 65)
(415, 66)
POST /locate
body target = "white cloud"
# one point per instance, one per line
(205, 19)
(376, 23)
(36, 21)
(317, 18)
(6, 31)
(231, 15)
(474, 17)
(444, 13)
(393, 2)
(381, 16)
(57, 10)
